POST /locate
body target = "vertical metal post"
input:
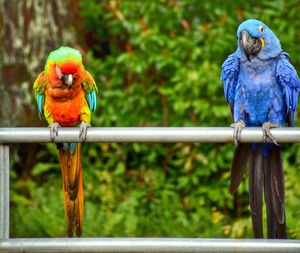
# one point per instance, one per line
(4, 191)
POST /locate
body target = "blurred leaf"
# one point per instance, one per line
(40, 168)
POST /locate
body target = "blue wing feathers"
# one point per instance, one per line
(94, 101)
(288, 78)
(89, 100)
(229, 75)
(40, 103)
(91, 96)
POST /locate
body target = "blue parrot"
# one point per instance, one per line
(261, 87)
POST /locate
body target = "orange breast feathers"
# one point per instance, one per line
(63, 103)
(66, 112)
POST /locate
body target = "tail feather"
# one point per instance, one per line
(268, 198)
(277, 184)
(239, 165)
(256, 190)
(265, 175)
(72, 188)
(276, 199)
(80, 209)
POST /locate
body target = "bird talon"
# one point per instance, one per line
(238, 127)
(54, 130)
(267, 133)
(83, 131)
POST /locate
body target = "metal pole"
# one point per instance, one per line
(149, 245)
(4, 191)
(147, 134)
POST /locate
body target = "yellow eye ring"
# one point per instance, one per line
(261, 28)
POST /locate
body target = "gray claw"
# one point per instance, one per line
(238, 127)
(267, 133)
(53, 130)
(83, 131)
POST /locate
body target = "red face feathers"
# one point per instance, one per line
(64, 72)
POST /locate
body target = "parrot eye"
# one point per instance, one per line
(261, 28)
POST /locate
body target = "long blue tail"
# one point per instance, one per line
(264, 163)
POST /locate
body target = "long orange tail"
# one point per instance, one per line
(72, 185)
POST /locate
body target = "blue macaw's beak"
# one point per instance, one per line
(251, 45)
(68, 80)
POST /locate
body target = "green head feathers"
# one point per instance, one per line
(62, 55)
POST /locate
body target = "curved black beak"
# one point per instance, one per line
(251, 45)
(68, 80)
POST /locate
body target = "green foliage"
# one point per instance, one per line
(157, 63)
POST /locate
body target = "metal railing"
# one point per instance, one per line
(126, 245)
(149, 245)
(146, 134)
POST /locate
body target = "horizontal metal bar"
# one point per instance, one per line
(147, 134)
(149, 245)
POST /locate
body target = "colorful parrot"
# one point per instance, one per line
(66, 95)
(261, 87)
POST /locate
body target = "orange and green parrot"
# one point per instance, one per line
(66, 95)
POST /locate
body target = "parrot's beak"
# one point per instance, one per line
(251, 45)
(68, 80)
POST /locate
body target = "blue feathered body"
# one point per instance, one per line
(261, 90)
(259, 96)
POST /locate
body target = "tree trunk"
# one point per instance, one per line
(29, 30)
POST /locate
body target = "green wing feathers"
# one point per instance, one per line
(39, 93)
(90, 89)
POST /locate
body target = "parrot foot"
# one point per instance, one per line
(53, 130)
(267, 133)
(238, 127)
(83, 131)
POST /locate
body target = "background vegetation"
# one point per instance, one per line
(157, 63)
